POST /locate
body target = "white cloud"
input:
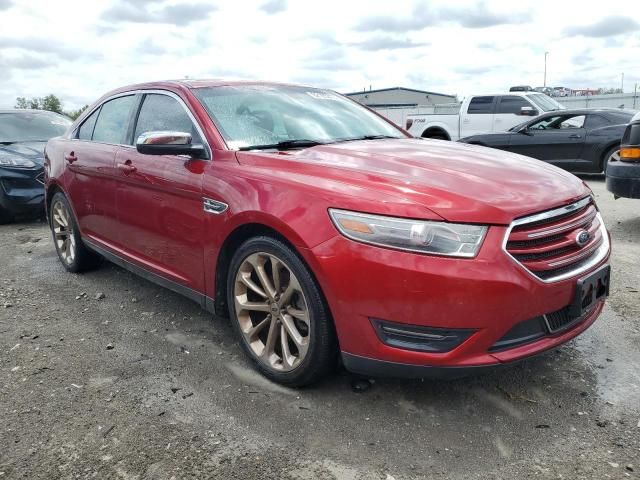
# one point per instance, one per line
(80, 50)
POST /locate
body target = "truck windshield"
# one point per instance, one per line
(545, 103)
(262, 116)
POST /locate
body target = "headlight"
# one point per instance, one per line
(435, 238)
(11, 161)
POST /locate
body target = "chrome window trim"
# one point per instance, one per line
(156, 91)
(600, 253)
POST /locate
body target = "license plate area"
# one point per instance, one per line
(590, 290)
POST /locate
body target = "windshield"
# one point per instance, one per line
(266, 115)
(545, 103)
(28, 126)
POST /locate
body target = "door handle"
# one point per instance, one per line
(127, 167)
(70, 157)
(575, 135)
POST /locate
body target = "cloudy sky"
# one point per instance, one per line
(78, 50)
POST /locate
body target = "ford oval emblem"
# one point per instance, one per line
(582, 238)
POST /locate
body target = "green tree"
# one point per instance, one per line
(50, 102)
(21, 102)
(73, 114)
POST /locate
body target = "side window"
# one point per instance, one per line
(573, 122)
(164, 113)
(481, 105)
(113, 121)
(511, 105)
(596, 121)
(85, 132)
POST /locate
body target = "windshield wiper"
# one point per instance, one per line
(369, 137)
(285, 144)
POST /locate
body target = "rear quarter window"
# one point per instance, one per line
(85, 132)
(113, 121)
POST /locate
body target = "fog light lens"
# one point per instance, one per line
(419, 338)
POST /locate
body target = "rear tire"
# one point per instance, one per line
(279, 314)
(73, 254)
(612, 153)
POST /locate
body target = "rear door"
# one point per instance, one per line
(557, 139)
(90, 155)
(508, 112)
(159, 197)
(479, 116)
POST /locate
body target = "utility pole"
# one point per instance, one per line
(545, 69)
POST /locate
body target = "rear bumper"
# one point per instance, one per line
(623, 179)
(22, 191)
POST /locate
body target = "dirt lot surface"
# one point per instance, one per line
(105, 375)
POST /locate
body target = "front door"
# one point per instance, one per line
(509, 112)
(558, 139)
(91, 157)
(159, 198)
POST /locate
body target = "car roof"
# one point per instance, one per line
(584, 111)
(201, 83)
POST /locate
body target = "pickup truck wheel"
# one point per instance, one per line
(73, 254)
(279, 314)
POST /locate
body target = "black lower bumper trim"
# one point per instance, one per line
(623, 179)
(381, 368)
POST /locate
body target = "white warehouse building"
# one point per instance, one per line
(400, 97)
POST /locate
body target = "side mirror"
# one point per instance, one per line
(528, 111)
(169, 143)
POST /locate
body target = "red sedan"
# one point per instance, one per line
(324, 232)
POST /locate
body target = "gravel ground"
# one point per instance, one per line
(105, 375)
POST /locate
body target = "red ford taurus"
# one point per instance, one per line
(325, 232)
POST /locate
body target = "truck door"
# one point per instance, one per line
(479, 116)
(508, 112)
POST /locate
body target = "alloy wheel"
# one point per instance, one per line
(272, 311)
(614, 157)
(63, 232)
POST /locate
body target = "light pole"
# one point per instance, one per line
(545, 69)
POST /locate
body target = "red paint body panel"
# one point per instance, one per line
(154, 218)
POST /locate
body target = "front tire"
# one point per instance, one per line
(5, 217)
(73, 254)
(279, 314)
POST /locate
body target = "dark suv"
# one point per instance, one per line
(623, 174)
(23, 135)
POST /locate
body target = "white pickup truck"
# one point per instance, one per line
(481, 114)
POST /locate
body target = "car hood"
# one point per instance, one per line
(458, 182)
(33, 151)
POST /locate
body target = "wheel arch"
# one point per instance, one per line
(234, 239)
(436, 131)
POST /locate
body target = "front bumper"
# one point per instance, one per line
(489, 295)
(22, 191)
(623, 179)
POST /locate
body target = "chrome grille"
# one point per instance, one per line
(547, 244)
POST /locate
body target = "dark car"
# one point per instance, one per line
(583, 140)
(521, 88)
(23, 136)
(623, 174)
